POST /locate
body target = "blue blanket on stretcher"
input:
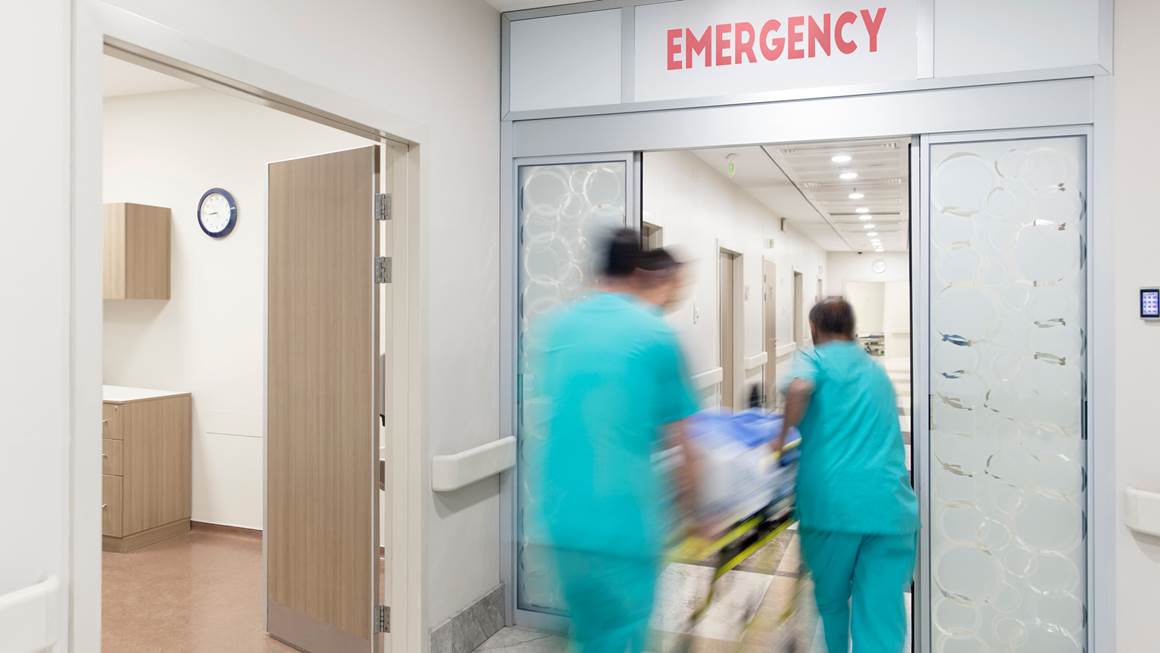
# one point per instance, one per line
(737, 478)
(751, 428)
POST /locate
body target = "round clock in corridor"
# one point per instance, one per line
(217, 213)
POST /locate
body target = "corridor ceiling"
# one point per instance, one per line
(802, 182)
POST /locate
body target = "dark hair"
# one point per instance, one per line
(658, 260)
(833, 316)
(622, 255)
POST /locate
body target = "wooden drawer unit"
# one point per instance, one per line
(148, 469)
(111, 421)
(112, 460)
(111, 506)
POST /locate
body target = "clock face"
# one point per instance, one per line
(217, 212)
(879, 266)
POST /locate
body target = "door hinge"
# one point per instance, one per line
(382, 206)
(383, 620)
(383, 269)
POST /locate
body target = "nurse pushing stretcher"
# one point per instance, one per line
(857, 511)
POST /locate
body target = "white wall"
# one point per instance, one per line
(35, 357)
(166, 149)
(868, 299)
(852, 266)
(845, 267)
(1137, 344)
(700, 210)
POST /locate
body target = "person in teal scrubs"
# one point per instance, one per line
(613, 388)
(857, 512)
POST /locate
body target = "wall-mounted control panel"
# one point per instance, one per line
(1150, 303)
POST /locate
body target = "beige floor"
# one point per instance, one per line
(749, 613)
(199, 592)
(755, 595)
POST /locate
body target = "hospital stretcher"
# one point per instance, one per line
(737, 540)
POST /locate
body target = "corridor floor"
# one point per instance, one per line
(201, 592)
(762, 588)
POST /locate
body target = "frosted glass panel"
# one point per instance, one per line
(1007, 391)
(563, 212)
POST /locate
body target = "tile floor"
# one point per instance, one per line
(757, 593)
(197, 593)
(762, 589)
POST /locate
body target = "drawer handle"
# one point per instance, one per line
(104, 506)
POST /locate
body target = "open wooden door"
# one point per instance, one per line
(322, 439)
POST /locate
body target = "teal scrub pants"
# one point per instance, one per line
(609, 600)
(859, 581)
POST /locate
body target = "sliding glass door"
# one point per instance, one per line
(564, 207)
(1005, 454)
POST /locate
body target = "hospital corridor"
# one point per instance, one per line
(579, 326)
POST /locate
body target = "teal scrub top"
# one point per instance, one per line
(852, 475)
(608, 375)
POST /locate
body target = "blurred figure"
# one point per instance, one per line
(615, 387)
(858, 514)
(663, 279)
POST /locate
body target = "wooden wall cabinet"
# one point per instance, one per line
(147, 463)
(136, 252)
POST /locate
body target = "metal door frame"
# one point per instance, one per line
(1072, 106)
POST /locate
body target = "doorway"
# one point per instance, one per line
(239, 360)
(651, 235)
(960, 122)
(729, 283)
(799, 330)
(769, 331)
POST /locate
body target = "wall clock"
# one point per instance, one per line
(217, 213)
(879, 266)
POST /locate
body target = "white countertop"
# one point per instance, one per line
(125, 393)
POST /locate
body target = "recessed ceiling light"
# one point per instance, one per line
(865, 218)
(867, 226)
(861, 209)
(856, 195)
(848, 175)
(841, 158)
(873, 234)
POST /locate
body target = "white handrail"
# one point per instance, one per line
(708, 378)
(757, 360)
(28, 617)
(451, 472)
(1142, 511)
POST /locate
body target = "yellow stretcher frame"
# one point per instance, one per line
(695, 548)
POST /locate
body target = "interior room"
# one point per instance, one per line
(185, 331)
(768, 230)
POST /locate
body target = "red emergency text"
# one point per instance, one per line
(797, 37)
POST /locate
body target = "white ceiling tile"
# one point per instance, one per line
(800, 182)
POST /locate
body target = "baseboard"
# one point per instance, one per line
(145, 538)
(471, 626)
(222, 528)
